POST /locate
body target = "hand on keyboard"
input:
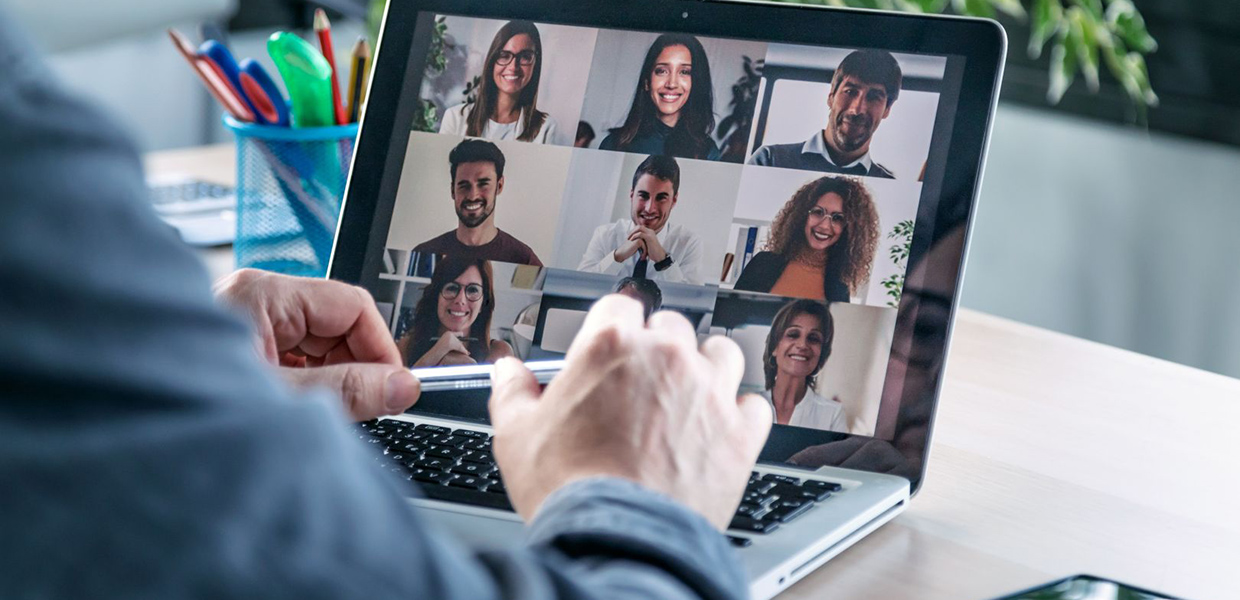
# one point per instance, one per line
(635, 400)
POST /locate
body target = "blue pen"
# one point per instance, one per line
(252, 83)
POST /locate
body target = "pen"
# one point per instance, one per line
(213, 79)
(323, 28)
(357, 78)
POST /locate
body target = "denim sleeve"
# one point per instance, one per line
(147, 453)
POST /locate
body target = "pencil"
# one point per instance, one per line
(357, 78)
(323, 28)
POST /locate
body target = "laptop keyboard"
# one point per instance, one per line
(456, 465)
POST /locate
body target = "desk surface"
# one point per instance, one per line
(1052, 456)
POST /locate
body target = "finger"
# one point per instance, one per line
(612, 312)
(366, 390)
(675, 326)
(331, 309)
(513, 388)
(727, 361)
(756, 416)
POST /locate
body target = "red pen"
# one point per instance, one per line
(216, 83)
(323, 28)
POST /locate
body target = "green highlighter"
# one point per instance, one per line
(307, 77)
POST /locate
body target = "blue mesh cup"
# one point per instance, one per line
(290, 182)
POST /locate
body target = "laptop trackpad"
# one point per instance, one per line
(476, 528)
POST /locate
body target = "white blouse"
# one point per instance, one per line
(815, 412)
(455, 123)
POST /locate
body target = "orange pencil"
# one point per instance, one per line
(216, 82)
(323, 28)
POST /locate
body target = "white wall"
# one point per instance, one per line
(533, 177)
(618, 57)
(854, 372)
(566, 64)
(1112, 234)
(765, 190)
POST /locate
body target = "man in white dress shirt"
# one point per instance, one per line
(645, 245)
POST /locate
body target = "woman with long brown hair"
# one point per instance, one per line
(452, 319)
(797, 348)
(672, 112)
(821, 246)
(506, 107)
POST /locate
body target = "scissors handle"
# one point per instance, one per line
(263, 93)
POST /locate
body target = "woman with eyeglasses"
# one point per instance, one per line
(452, 320)
(673, 109)
(821, 245)
(797, 348)
(506, 106)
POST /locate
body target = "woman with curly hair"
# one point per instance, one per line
(822, 243)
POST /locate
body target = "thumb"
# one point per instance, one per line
(368, 390)
(756, 413)
(513, 387)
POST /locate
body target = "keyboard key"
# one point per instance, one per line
(740, 542)
(785, 513)
(472, 469)
(435, 477)
(433, 429)
(496, 487)
(467, 496)
(410, 448)
(479, 457)
(478, 435)
(760, 486)
(446, 452)
(789, 492)
(451, 441)
(477, 444)
(395, 424)
(473, 483)
(830, 486)
(753, 525)
(435, 464)
(781, 479)
(749, 510)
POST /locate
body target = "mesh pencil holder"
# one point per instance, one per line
(290, 182)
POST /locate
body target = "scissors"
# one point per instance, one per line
(251, 82)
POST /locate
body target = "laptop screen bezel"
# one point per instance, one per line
(375, 172)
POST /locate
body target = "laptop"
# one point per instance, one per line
(801, 180)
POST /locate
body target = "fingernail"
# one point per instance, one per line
(399, 391)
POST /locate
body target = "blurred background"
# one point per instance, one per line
(1112, 190)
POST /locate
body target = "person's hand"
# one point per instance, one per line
(327, 334)
(649, 240)
(447, 344)
(637, 401)
(627, 249)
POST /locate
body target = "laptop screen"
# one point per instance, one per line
(773, 193)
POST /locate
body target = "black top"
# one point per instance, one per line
(504, 248)
(765, 268)
(652, 139)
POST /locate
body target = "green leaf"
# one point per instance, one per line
(1092, 7)
(1085, 43)
(979, 8)
(1063, 67)
(1047, 20)
(1129, 25)
(1011, 8)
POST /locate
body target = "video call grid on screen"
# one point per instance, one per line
(773, 145)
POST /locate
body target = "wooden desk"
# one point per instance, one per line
(1052, 456)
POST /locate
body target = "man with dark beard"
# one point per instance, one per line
(863, 88)
(477, 169)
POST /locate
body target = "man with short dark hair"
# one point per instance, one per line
(645, 245)
(863, 88)
(477, 169)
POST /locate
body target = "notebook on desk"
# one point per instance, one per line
(799, 179)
